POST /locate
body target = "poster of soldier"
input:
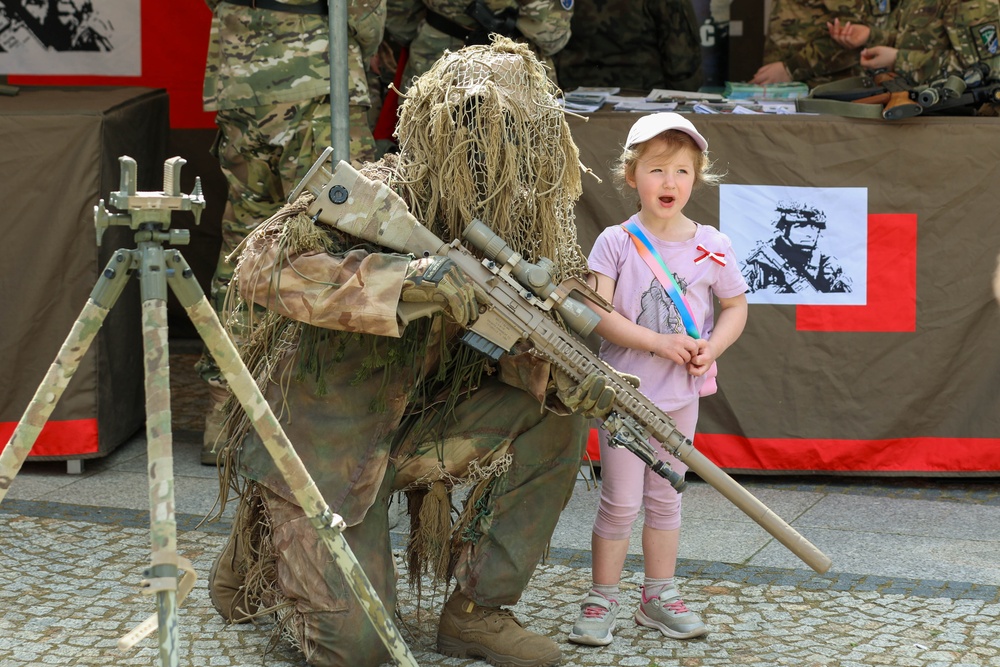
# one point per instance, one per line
(798, 245)
(89, 37)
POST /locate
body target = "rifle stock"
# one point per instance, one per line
(902, 98)
(878, 98)
(901, 105)
(518, 305)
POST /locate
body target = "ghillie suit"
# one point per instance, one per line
(373, 407)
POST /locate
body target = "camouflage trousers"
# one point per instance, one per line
(499, 550)
(264, 152)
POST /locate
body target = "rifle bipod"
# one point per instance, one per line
(149, 214)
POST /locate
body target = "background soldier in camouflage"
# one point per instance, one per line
(429, 27)
(974, 30)
(633, 45)
(267, 76)
(919, 50)
(791, 261)
(930, 37)
(799, 47)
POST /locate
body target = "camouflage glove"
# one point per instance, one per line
(592, 398)
(436, 279)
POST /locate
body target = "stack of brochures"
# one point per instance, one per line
(738, 98)
(736, 90)
(588, 99)
(663, 95)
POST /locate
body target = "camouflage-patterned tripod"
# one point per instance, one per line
(149, 214)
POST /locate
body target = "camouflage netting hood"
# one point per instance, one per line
(482, 135)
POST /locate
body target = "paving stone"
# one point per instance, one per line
(46, 620)
(70, 575)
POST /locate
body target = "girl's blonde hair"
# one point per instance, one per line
(671, 141)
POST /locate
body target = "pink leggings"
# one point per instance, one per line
(627, 485)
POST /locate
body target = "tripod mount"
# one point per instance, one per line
(147, 210)
(149, 214)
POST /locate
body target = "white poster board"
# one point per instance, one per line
(799, 245)
(71, 37)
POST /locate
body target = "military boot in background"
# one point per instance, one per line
(212, 442)
(469, 630)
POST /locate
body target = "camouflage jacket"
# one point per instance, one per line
(545, 24)
(921, 39)
(355, 291)
(880, 16)
(797, 36)
(323, 411)
(973, 28)
(633, 45)
(258, 57)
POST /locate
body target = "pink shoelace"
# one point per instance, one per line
(594, 611)
(677, 607)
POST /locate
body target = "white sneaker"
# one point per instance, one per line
(596, 623)
(668, 614)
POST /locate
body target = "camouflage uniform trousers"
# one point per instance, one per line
(264, 152)
(494, 568)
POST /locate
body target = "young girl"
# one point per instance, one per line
(664, 159)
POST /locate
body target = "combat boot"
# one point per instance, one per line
(225, 585)
(469, 630)
(212, 441)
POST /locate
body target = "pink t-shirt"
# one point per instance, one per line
(640, 297)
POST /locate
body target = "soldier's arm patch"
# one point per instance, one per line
(985, 37)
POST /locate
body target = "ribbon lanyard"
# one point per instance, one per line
(659, 268)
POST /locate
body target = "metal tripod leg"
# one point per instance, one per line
(157, 268)
(163, 526)
(161, 578)
(243, 386)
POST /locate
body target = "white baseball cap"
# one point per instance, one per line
(655, 124)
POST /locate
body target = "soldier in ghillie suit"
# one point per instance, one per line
(632, 45)
(791, 261)
(374, 407)
(267, 77)
(428, 28)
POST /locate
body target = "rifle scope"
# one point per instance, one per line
(536, 277)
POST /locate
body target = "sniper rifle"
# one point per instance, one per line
(516, 304)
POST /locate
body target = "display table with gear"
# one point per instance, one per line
(906, 383)
(60, 156)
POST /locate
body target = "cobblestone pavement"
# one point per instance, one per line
(73, 551)
(69, 591)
